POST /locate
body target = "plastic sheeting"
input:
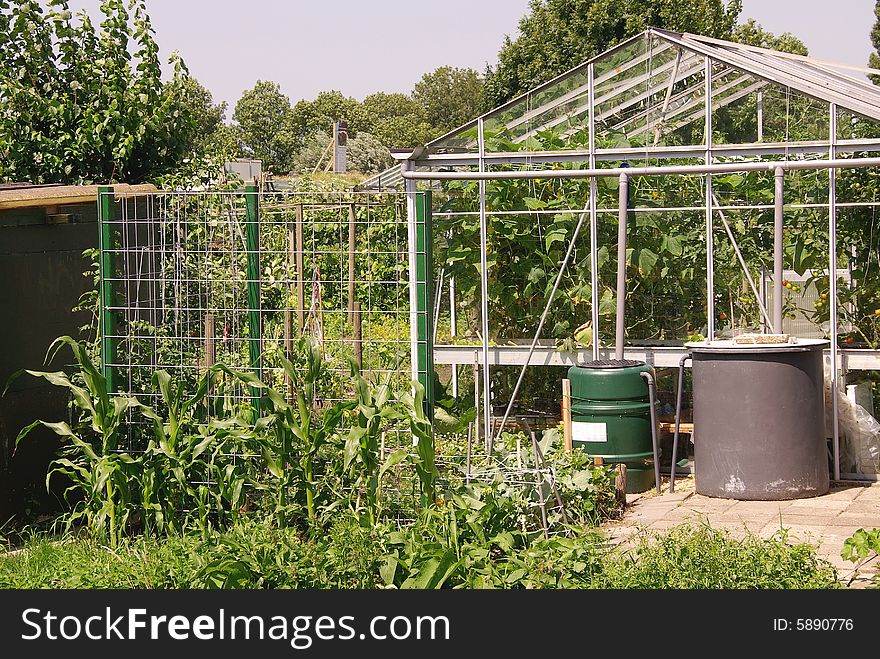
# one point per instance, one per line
(859, 433)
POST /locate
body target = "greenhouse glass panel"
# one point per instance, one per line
(644, 104)
(853, 126)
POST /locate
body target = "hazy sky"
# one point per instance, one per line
(360, 47)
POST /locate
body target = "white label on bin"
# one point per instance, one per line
(582, 431)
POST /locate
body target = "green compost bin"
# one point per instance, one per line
(611, 417)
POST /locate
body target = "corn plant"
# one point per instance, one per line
(185, 465)
(91, 458)
(363, 456)
(289, 436)
(413, 408)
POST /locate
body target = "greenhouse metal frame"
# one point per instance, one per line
(652, 90)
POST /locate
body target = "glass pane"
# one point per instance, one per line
(852, 126)
(656, 101)
(737, 106)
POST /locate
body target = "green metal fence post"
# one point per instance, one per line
(106, 271)
(425, 362)
(252, 231)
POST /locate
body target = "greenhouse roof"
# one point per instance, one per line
(647, 97)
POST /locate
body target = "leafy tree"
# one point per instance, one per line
(368, 155)
(82, 104)
(309, 117)
(393, 119)
(753, 34)
(266, 126)
(557, 35)
(449, 96)
(396, 120)
(190, 97)
(874, 58)
(365, 153)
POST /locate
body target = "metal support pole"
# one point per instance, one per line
(649, 380)
(252, 232)
(765, 325)
(453, 332)
(484, 296)
(107, 268)
(547, 305)
(622, 213)
(832, 293)
(778, 193)
(594, 220)
(424, 335)
(411, 220)
(710, 224)
(678, 397)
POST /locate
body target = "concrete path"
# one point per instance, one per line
(825, 521)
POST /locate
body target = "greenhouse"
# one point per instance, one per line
(745, 177)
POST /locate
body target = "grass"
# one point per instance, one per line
(256, 555)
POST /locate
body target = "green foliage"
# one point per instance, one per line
(449, 96)
(703, 557)
(753, 34)
(861, 547)
(365, 153)
(874, 57)
(460, 544)
(309, 117)
(99, 471)
(266, 126)
(82, 104)
(396, 120)
(557, 35)
(197, 103)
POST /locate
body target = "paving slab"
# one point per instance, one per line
(825, 521)
(870, 493)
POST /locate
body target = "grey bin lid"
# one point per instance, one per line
(728, 346)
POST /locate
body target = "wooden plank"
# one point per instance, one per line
(620, 484)
(352, 238)
(60, 195)
(669, 426)
(300, 275)
(566, 414)
(357, 338)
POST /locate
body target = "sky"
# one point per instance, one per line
(360, 47)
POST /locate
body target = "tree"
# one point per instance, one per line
(395, 120)
(753, 34)
(557, 35)
(309, 117)
(449, 96)
(365, 153)
(266, 127)
(874, 58)
(197, 103)
(86, 105)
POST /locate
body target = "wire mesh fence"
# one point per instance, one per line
(191, 280)
(223, 277)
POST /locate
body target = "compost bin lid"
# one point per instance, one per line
(611, 363)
